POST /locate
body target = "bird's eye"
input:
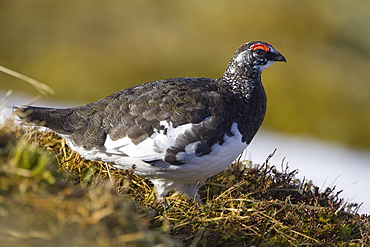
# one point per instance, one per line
(259, 51)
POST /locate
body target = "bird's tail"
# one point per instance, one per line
(53, 118)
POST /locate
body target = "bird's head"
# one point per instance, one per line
(258, 55)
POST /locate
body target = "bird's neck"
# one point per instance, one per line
(243, 79)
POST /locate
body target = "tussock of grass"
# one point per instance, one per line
(50, 195)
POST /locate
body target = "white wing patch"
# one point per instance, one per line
(153, 148)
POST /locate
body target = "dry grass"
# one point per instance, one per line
(39, 86)
(51, 196)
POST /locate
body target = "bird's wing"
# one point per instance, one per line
(164, 120)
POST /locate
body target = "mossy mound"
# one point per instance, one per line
(51, 196)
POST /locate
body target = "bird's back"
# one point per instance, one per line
(137, 112)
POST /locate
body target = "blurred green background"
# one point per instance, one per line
(86, 50)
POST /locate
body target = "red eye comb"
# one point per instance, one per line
(260, 46)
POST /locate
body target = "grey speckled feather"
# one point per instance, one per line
(212, 106)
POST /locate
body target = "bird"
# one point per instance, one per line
(175, 132)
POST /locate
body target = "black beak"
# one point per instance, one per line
(278, 57)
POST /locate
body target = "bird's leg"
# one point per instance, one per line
(198, 200)
(165, 204)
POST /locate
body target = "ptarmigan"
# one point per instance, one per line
(176, 132)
